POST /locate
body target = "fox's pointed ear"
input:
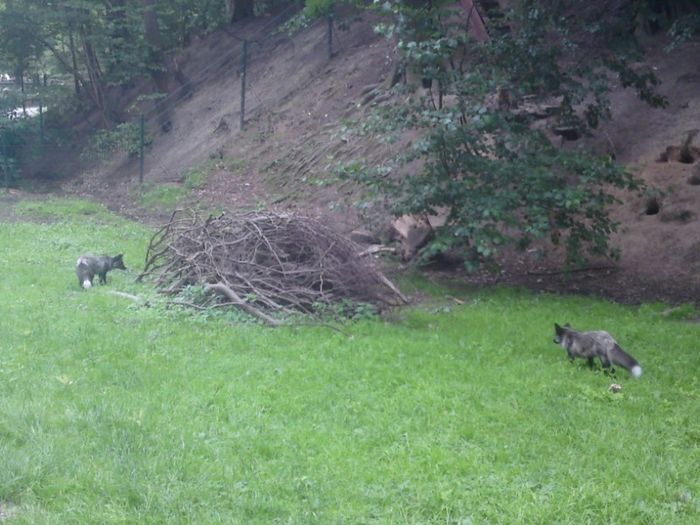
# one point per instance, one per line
(558, 329)
(567, 325)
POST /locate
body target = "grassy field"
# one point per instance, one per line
(119, 412)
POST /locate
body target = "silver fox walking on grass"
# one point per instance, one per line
(87, 266)
(595, 344)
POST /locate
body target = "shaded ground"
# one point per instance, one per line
(300, 102)
(7, 201)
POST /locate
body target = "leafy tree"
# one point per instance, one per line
(101, 42)
(482, 155)
(19, 46)
(315, 8)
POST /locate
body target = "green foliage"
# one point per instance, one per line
(234, 165)
(19, 43)
(445, 414)
(683, 29)
(167, 196)
(679, 18)
(25, 137)
(313, 10)
(296, 23)
(196, 176)
(161, 195)
(64, 209)
(125, 137)
(8, 172)
(37, 39)
(61, 106)
(146, 98)
(14, 135)
(480, 155)
(182, 19)
(345, 310)
(318, 8)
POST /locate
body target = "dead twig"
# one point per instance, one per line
(232, 296)
(573, 270)
(270, 263)
(124, 294)
(376, 248)
(383, 278)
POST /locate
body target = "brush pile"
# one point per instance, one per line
(263, 262)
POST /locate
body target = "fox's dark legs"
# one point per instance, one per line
(607, 366)
(590, 360)
(103, 278)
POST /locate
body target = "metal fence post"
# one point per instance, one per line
(5, 163)
(142, 126)
(244, 65)
(41, 121)
(330, 36)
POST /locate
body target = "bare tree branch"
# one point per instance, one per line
(264, 263)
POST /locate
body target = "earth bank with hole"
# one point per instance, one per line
(302, 102)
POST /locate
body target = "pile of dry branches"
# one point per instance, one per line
(264, 262)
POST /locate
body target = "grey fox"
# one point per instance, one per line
(88, 265)
(595, 344)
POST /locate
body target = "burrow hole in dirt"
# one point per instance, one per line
(678, 154)
(653, 206)
(685, 153)
(686, 158)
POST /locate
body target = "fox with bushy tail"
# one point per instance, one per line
(590, 345)
(88, 266)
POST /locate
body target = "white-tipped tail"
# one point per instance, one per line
(87, 285)
(636, 371)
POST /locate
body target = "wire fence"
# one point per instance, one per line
(31, 149)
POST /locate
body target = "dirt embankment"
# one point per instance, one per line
(300, 102)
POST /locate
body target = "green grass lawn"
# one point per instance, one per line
(116, 412)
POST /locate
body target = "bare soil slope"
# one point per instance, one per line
(660, 250)
(299, 100)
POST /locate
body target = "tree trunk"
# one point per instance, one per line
(241, 9)
(74, 60)
(156, 60)
(119, 34)
(19, 78)
(94, 72)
